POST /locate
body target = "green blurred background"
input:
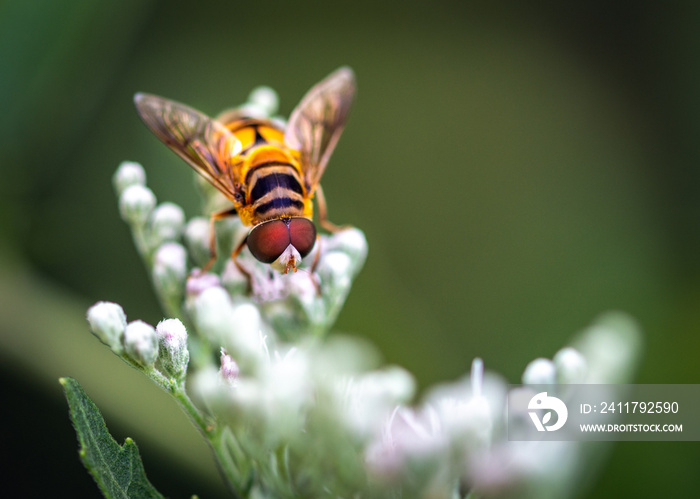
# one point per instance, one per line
(517, 170)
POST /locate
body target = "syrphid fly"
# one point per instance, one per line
(270, 172)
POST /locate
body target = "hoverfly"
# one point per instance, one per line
(269, 172)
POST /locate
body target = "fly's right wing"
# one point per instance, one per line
(317, 122)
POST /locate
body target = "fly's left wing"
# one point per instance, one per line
(204, 143)
(317, 122)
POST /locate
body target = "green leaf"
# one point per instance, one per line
(118, 470)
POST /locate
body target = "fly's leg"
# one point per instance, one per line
(234, 257)
(218, 215)
(323, 213)
(317, 257)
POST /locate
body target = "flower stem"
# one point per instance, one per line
(219, 439)
(229, 458)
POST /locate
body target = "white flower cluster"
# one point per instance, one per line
(317, 418)
(290, 413)
(161, 352)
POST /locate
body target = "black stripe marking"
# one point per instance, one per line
(267, 183)
(263, 165)
(278, 203)
(259, 139)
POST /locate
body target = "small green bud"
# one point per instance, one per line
(173, 353)
(129, 173)
(108, 321)
(141, 343)
(136, 204)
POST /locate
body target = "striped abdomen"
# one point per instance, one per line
(275, 191)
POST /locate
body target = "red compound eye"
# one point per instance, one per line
(268, 240)
(302, 234)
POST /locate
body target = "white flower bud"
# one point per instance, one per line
(367, 400)
(108, 321)
(197, 283)
(300, 285)
(393, 382)
(136, 204)
(288, 389)
(197, 240)
(173, 353)
(302, 312)
(464, 416)
(335, 270)
(570, 365)
(410, 439)
(611, 348)
(141, 343)
(350, 241)
(229, 369)
(170, 270)
(540, 372)
(265, 98)
(253, 110)
(211, 313)
(245, 338)
(167, 222)
(274, 400)
(129, 173)
(237, 327)
(467, 410)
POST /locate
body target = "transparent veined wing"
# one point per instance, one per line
(201, 141)
(317, 122)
